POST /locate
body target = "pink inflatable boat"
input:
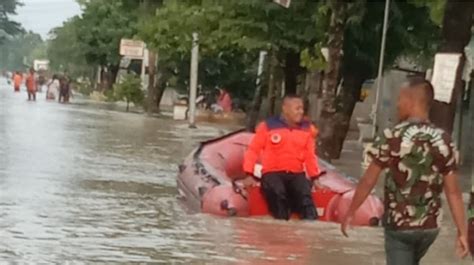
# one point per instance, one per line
(208, 182)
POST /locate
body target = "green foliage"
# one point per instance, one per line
(110, 96)
(8, 27)
(85, 87)
(436, 9)
(313, 59)
(410, 35)
(18, 52)
(100, 28)
(66, 52)
(129, 90)
(231, 33)
(249, 25)
(93, 39)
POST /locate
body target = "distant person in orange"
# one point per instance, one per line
(17, 80)
(31, 85)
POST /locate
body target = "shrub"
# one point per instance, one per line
(130, 90)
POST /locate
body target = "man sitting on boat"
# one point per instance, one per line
(285, 146)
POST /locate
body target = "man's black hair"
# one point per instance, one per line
(292, 96)
(428, 90)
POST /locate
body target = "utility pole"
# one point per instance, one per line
(380, 70)
(469, 147)
(193, 81)
(470, 150)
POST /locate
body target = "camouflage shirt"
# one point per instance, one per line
(416, 156)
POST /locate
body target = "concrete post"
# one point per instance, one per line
(193, 82)
(380, 70)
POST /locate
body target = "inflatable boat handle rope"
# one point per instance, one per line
(239, 190)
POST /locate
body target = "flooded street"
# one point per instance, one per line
(83, 184)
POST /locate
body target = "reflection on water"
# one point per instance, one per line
(85, 184)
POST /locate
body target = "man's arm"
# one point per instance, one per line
(311, 162)
(456, 205)
(365, 186)
(255, 148)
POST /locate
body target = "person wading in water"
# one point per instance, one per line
(420, 161)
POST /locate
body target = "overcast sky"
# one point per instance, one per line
(41, 16)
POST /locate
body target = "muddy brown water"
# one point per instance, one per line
(82, 184)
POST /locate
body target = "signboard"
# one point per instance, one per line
(285, 3)
(132, 48)
(444, 75)
(40, 65)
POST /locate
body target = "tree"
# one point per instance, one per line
(18, 52)
(66, 53)
(456, 34)
(231, 35)
(7, 26)
(147, 10)
(99, 30)
(335, 44)
(129, 90)
(411, 34)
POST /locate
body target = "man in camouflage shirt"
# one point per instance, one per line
(420, 161)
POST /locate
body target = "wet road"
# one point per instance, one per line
(82, 184)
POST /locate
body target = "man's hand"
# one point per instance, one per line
(250, 181)
(365, 186)
(317, 185)
(346, 222)
(462, 246)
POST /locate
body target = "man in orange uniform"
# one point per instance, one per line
(31, 85)
(285, 147)
(17, 80)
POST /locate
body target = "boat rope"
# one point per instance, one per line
(239, 190)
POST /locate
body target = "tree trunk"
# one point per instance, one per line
(456, 34)
(152, 84)
(253, 114)
(292, 70)
(128, 105)
(160, 91)
(113, 74)
(314, 93)
(271, 95)
(93, 77)
(102, 78)
(328, 122)
(350, 95)
(109, 75)
(279, 89)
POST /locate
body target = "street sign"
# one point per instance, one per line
(444, 75)
(132, 48)
(284, 3)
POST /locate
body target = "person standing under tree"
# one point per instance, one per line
(420, 161)
(64, 90)
(31, 85)
(17, 80)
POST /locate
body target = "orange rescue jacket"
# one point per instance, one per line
(280, 147)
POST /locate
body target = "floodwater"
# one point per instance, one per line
(81, 184)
